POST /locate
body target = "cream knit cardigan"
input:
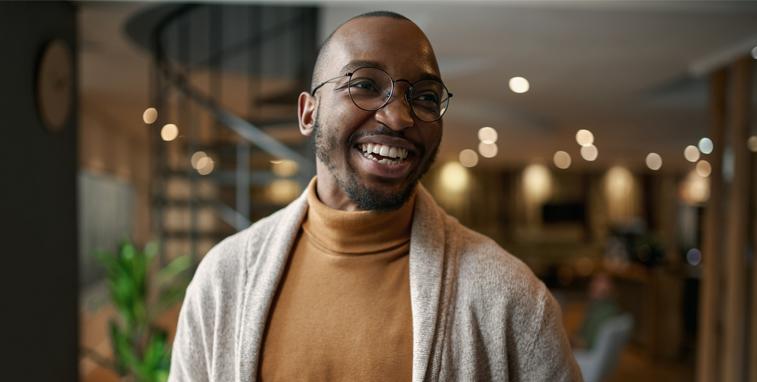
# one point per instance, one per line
(479, 314)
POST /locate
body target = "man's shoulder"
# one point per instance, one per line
(481, 263)
(234, 254)
(486, 267)
(483, 253)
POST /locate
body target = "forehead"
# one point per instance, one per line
(398, 46)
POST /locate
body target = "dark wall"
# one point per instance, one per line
(38, 282)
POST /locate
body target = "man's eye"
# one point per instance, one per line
(427, 98)
(363, 85)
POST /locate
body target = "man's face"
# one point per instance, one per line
(350, 177)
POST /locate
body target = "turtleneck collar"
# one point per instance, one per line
(357, 232)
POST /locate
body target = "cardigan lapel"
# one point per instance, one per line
(426, 278)
(262, 283)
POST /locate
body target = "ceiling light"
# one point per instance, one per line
(654, 161)
(584, 137)
(562, 160)
(196, 158)
(169, 132)
(150, 115)
(205, 165)
(705, 145)
(751, 143)
(487, 135)
(468, 158)
(691, 153)
(703, 168)
(754, 52)
(519, 85)
(487, 150)
(590, 153)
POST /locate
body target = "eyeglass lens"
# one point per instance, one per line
(371, 88)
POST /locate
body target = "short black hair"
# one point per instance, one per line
(322, 49)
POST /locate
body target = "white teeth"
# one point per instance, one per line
(383, 150)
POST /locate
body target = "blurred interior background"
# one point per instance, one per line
(610, 145)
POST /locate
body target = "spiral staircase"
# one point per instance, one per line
(228, 77)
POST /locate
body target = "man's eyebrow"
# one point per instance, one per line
(355, 64)
(352, 65)
(430, 76)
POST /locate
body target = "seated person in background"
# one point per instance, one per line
(602, 306)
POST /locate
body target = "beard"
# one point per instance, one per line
(366, 198)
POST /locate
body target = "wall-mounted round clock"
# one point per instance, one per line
(55, 83)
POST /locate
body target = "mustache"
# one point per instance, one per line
(385, 131)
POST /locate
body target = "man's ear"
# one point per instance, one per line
(306, 113)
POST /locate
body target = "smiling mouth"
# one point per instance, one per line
(383, 154)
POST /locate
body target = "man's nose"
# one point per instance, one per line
(397, 113)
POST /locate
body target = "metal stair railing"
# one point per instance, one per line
(242, 127)
(168, 76)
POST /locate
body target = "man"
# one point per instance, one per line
(602, 308)
(364, 277)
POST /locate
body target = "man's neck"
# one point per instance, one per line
(329, 192)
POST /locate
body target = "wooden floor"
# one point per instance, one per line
(634, 366)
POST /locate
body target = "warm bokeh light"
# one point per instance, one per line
(282, 191)
(703, 168)
(468, 158)
(562, 160)
(196, 158)
(695, 189)
(487, 150)
(284, 168)
(691, 153)
(150, 115)
(589, 153)
(622, 195)
(487, 135)
(618, 182)
(205, 165)
(654, 161)
(584, 137)
(454, 177)
(705, 145)
(169, 132)
(537, 183)
(751, 143)
(519, 85)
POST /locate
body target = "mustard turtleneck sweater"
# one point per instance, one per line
(342, 311)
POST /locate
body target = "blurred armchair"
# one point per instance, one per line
(600, 360)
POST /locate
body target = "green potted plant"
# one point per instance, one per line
(139, 291)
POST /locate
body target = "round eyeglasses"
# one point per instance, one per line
(371, 89)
